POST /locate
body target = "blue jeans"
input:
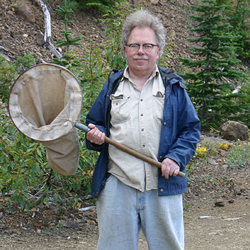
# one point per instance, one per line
(122, 211)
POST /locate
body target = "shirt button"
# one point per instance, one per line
(142, 129)
(161, 190)
(160, 157)
(164, 123)
(143, 145)
(141, 114)
(141, 100)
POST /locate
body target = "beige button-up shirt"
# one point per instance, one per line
(136, 117)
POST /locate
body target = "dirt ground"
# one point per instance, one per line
(206, 228)
(226, 228)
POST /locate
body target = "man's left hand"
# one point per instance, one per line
(169, 168)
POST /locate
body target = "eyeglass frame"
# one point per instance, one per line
(143, 46)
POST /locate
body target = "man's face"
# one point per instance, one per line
(141, 62)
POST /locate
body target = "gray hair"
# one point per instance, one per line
(143, 18)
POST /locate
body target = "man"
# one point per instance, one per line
(146, 108)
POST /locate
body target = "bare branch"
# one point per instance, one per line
(47, 34)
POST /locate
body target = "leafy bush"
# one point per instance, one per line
(21, 162)
(26, 175)
(9, 72)
(113, 28)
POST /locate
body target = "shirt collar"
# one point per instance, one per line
(154, 73)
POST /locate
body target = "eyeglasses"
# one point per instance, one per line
(147, 47)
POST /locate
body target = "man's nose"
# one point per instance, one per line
(140, 50)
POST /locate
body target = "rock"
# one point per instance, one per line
(232, 130)
(239, 190)
(219, 203)
(40, 39)
(26, 12)
(224, 167)
(204, 217)
(212, 161)
(72, 224)
(154, 1)
(5, 57)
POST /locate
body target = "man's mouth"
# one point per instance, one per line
(140, 58)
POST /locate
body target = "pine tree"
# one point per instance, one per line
(67, 9)
(238, 12)
(240, 22)
(210, 82)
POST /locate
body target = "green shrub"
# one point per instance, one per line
(26, 175)
(239, 155)
(10, 71)
(102, 5)
(21, 161)
(113, 21)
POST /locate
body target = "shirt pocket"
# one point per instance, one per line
(120, 108)
(158, 105)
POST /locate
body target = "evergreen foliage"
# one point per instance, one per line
(238, 13)
(102, 5)
(210, 80)
(239, 19)
(67, 9)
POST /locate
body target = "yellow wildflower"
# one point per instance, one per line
(201, 152)
(224, 146)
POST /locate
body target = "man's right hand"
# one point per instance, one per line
(95, 135)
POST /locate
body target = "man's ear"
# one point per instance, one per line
(125, 51)
(158, 53)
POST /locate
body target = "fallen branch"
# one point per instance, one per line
(35, 197)
(47, 34)
(84, 209)
(2, 48)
